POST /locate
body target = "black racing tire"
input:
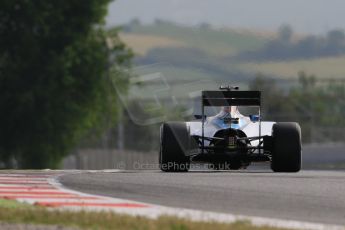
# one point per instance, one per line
(235, 165)
(174, 144)
(287, 147)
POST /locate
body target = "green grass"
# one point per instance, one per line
(12, 212)
(12, 204)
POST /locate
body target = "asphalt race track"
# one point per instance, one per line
(315, 196)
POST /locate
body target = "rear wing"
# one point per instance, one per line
(231, 98)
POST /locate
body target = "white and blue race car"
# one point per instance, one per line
(230, 140)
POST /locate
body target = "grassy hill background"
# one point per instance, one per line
(185, 54)
(213, 42)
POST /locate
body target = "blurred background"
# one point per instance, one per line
(157, 56)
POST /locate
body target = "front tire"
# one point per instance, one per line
(174, 138)
(287, 147)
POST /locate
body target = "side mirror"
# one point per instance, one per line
(254, 118)
(199, 117)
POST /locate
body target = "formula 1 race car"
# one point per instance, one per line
(230, 140)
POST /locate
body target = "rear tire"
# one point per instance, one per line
(175, 140)
(287, 147)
